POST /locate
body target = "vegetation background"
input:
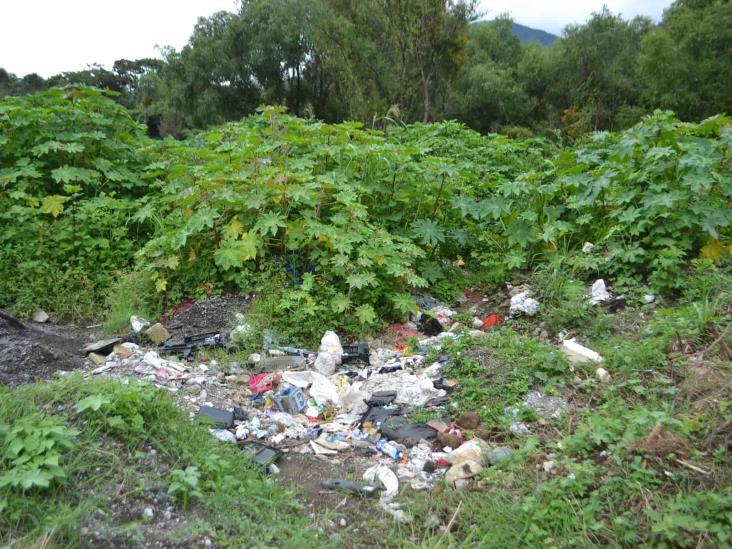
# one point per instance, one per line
(429, 60)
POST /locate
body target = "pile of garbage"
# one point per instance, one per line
(338, 400)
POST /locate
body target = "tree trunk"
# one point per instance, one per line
(426, 99)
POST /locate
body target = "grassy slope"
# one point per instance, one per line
(612, 484)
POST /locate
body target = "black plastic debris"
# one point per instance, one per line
(400, 430)
(436, 402)
(617, 304)
(440, 384)
(381, 398)
(221, 419)
(192, 343)
(240, 414)
(296, 351)
(388, 369)
(429, 325)
(350, 486)
(261, 454)
(358, 352)
(378, 414)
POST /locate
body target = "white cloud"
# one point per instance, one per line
(51, 36)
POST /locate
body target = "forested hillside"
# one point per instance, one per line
(425, 61)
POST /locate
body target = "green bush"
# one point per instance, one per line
(71, 175)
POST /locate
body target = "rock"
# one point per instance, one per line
(483, 432)
(477, 323)
(122, 351)
(97, 358)
(548, 407)
(254, 359)
(649, 298)
(157, 334)
(447, 439)
(40, 316)
(588, 247)
(455, 328)
(498, 454)
(473, 450)
(602, 375)
(465, 469)
(104, 346)
(519, 429)
(148, 513)
(138, 324)
(548, 465)
(469, 420)
(476, 333)
(192, 389)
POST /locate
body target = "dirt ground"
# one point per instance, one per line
(351, 516)
(210, 315)
(31, 351)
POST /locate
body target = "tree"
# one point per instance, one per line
(686, 62)
(487, 94)
(598, 72)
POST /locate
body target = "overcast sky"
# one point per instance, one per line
(51, 36)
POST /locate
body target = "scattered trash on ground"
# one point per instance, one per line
(343, 400)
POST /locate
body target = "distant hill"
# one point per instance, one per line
(527, 34)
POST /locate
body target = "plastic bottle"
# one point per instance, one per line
(388, 448)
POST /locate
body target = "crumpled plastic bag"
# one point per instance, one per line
(324, 390)
(386, 477)
(411, 389)
(325, 363)
(353, 398)
(138, 324)
(523, 303)
(599, 293)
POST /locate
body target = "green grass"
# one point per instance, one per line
(130, 442)
(131, 294)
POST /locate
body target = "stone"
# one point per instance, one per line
(97, 358)
(103, 347)
(603, 375)
(40, 316)
(477, 323)
(469, 420)
(447, 439)
(466, 469)
(148, 513)
(157, 334)
(122, 351)
(476, 333)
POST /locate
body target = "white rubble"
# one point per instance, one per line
(523, 303)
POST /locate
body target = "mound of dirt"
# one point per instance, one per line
(210, 315)
(30, 352)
